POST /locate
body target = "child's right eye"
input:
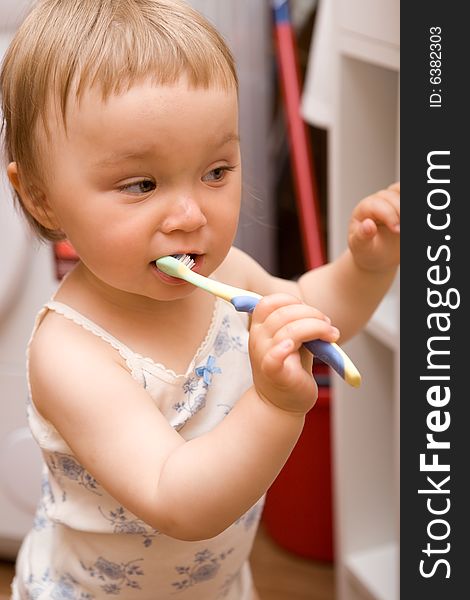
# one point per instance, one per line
(142, 186)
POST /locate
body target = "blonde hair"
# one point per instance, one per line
(65, 47)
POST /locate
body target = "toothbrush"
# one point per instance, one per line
(180, 266)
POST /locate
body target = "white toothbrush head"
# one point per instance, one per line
(185, 259)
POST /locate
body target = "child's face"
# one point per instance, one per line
(151, 172)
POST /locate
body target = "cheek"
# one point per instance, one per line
(225, 222)
(235, 216)
(109, 241)
(228, 210)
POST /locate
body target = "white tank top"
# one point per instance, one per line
(84, 545)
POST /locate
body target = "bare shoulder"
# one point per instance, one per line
(61, 354)
(241, 270)
(58, 340)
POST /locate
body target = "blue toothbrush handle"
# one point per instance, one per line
(328, 353)
(245, 303)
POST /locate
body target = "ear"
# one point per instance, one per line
(33, 199)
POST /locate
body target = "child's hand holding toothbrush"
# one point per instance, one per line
(282, 368)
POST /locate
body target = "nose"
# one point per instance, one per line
(184, 214)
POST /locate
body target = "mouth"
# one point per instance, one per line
(192, 259)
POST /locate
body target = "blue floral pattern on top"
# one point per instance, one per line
(64, 465)
(66, 588)
(115, 576)
(205, 566)
(225, 341)
(41, 520)
(192, 404)
(195, 394)
(124, 523)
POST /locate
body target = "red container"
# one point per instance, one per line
(298, 512)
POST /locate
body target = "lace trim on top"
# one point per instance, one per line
(129, 355)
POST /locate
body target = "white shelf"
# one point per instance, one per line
(377, 19)
(370, 50)
(375, 571)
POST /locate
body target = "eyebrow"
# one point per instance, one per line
(117, 157)
(231, 137)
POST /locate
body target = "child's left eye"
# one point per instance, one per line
(143, 186)
(217, 174)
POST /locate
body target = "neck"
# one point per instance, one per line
(82, 290)
(167, 331)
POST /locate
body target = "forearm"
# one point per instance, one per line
(210, 481)
(346, 293)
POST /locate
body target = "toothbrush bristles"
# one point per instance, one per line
(185, 259)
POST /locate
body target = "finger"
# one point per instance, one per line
(384, 209)
(283, 363)
(287, 313)
(275, 357)
(268, 304)
(304, 330)
(365, 230)
(384, 198)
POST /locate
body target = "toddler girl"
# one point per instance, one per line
(163, 415)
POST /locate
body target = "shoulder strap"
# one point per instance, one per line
(70, 313)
